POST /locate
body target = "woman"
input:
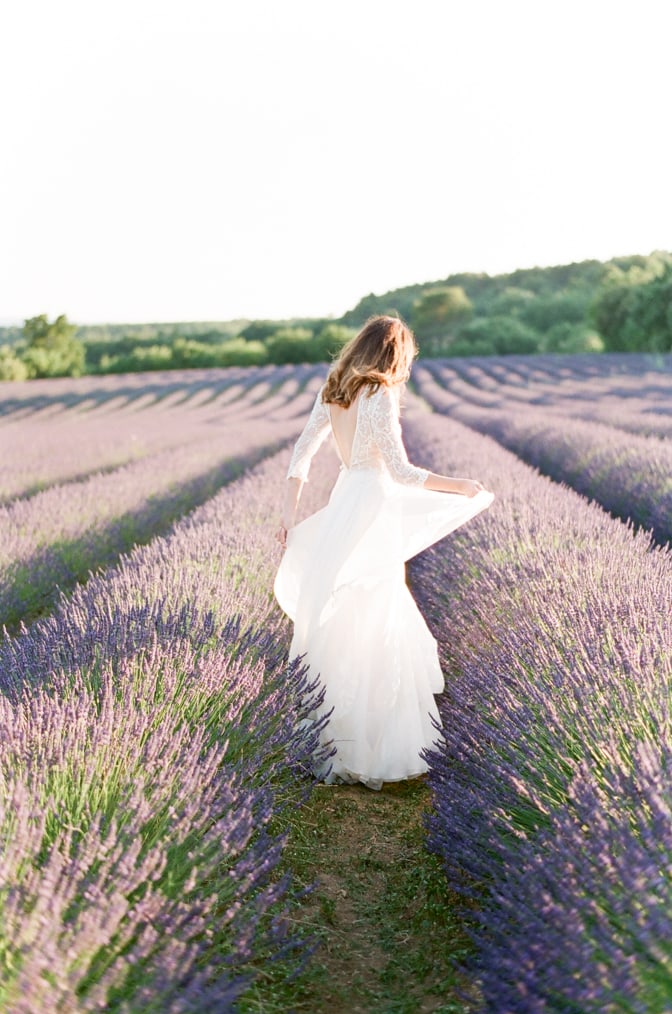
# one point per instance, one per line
(342, 577)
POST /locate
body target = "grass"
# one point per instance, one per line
(386, 930)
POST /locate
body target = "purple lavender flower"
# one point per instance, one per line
(555, 631)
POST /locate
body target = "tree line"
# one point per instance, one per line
(621, 305)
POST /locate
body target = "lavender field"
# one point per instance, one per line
(606, 434)
(90, 471)
(153, 744)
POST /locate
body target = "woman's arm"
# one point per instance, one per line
(450, 484)
(288, 515)
(394, 453)
(313, 436)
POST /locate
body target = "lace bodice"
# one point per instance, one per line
(376, 444)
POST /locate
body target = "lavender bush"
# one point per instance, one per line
(555, 621)
(151, 743)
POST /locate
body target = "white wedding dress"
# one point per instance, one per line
(342, 582)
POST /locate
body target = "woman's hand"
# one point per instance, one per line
(287, 521)
(470, 487)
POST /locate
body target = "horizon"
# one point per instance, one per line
(6, 322)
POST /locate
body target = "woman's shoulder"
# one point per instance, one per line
(383, 404)
(388, 395)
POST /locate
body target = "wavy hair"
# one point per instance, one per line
(380, 355)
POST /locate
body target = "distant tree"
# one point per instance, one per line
(636, 317)
(38, 333)
(572, 338)
(238, 352)
(10, 335)
(11, 366)
(504, 335)
(331, 339)
(439, 312)
(189, 353)
(259, 330)
(636, 270)
(292, 345)
(366, 307)
(51, 348)
(148, 357)
(568, 306)
(511, 302)
(611, 312)
(653, 313)
(462, 347)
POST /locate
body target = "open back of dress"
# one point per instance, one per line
(344, 427)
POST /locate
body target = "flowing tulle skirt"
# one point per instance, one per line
(342, 582)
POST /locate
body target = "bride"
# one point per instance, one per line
(342, 577)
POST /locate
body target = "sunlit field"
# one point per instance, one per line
(156, 796)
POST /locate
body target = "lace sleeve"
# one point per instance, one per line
(313, 436)
(388, 438)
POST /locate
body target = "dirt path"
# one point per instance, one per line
(381, 908)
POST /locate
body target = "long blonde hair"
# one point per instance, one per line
(381, 354)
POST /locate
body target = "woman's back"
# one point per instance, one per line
(344, 427)
(368, 435)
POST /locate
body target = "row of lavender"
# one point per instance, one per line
(54, 538)
(71, 428)
(150, 747)
(632, 392)
(629, 475)
(550, 780)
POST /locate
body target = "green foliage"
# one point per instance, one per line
(511, 302)
(370, 305)
(239, 352)
(185, 353)
(10, 335)
(148, 334)
(469, 347)
(52, 349)
(440, 311)
(301, 345)
(572, 339)
(518, 289)
(503, 335)
(11, 366)
(151, 357)
(235, 352)
(40, 334)
(636, 270)
(291, 345)
(259, 330)
(544, 312)
(330, 340)
(622, 304)
(636, 316)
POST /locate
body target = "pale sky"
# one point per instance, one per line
(174, 160)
